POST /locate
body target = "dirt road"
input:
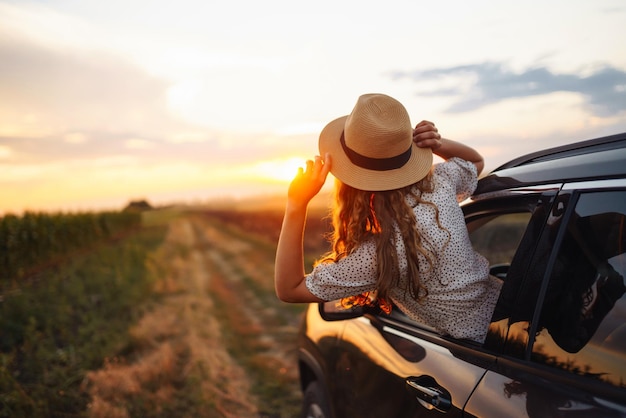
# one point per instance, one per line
(215, 343)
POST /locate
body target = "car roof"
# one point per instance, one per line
(600, 158)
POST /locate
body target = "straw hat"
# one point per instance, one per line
(372, 148)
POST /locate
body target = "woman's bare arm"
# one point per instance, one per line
(289, 274)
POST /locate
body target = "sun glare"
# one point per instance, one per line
(281, 170)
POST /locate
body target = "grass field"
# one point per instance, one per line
(179, 319)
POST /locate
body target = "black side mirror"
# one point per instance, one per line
(335, 311)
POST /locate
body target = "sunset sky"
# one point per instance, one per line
(102, 102)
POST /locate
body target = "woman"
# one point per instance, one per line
(399, 233)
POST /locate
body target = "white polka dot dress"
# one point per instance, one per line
(461, 293)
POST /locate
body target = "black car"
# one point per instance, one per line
(553, 226)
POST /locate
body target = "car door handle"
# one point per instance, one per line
(428, 393)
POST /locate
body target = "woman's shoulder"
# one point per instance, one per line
(461, 174)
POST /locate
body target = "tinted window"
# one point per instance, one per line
(505, 233)
(583, 320)
(497, 236)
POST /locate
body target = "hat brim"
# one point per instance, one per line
(415, 169)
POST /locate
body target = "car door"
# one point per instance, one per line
(390, 366)
(564, 348)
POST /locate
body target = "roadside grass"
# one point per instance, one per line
(57, 328)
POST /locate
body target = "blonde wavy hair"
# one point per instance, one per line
(359, 216)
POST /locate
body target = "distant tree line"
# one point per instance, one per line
(33, 239)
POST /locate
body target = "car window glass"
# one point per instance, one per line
(582, 327)
(497, 236)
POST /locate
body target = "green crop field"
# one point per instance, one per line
(166, 313)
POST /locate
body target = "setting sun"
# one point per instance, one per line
(280, 170)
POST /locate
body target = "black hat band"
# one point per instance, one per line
(377, 164)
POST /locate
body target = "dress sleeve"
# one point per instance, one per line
(349, 276)
(461, 174)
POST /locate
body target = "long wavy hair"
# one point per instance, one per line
(359, 216)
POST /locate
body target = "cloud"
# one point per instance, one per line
(78, 89)
(5, 151)
(478, 85)
(63, 103)
(138, 143)
(75, 138)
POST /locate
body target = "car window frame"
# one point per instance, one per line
(537, 201)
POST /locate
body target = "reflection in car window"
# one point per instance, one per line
(497, 237)
(583, 320)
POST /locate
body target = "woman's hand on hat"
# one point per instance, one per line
(308, 182)
(426, 135)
